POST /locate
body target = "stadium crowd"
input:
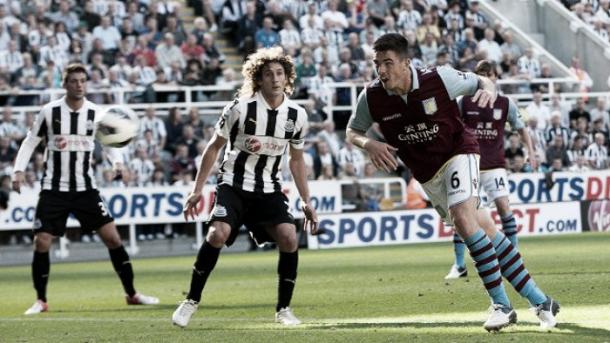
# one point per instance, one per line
(595, 13)
(144, 44)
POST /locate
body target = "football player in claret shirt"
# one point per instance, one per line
(488, 125)
(259, 127)
(418, 116)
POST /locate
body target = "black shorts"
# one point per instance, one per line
(257, 211)
(54, 208)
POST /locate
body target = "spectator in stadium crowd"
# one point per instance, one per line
(600, 111)
(478, 19)
(563, 107)
(337, 19)
(211, 51)
(529, 64)
(9, 128)
(429, 50)
(556, 129)
(324, 158)
(515, 148)
(173, 127)
(598, 127)
(539, 110)
(7, 155)
(509, 47)
(266, 37)
(377, 10)
(168, 52)
(108, 34)
(490, 46)
(519, 165)
(557, 149)
(597, 153)
(289, 35)
(348, 155)
(577, 149)
(141, 166)
(585, 81)
(191, 50)
(454, 14)
(182, 162)
(156, 126)
(174, 27)
(188, 138)
(579, 111)
(426, 27)
(582, 129)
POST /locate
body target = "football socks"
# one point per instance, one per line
(483, 253)
(287, 275)
(509, 226)
(205, 263)
(459, 248)
(122, 266)
(514, 270)
(40, 274)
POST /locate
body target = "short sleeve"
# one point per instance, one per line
(514, 117)
(361, 120)
(458, 82)
(298, 141)
(230, 114)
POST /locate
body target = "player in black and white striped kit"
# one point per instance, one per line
(259, 127)
(67, 126)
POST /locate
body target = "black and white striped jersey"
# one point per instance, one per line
(257, 139)
(69, 136)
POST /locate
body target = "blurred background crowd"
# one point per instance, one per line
(143, 45)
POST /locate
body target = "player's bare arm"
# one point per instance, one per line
(299, 174)
(210, 155)
(527, 140)
(486, 92)
(380, 153)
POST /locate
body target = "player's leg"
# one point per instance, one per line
(50, 220)
(207, 257)
(513, 269)
(41, 266)
(90, 210)
(495, 184)
(284, 235)
(458, 269)
(122, 265)
(461, 182)
(225, 221)
(509, 224)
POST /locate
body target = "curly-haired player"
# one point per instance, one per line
(258, 126)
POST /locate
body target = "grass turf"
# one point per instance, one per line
(376, 294)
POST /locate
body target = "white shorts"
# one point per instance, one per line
(456, 182)
(494, 184)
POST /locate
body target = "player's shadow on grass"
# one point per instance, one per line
(164, 307)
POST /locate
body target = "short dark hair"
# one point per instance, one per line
(394, 42)
(485, 68)
(74, 68)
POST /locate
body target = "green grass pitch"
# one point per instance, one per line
(376, 294)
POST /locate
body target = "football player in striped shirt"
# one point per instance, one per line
(257, 129)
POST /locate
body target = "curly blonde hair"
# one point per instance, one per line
(253, 70)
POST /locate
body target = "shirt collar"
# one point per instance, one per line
(261, 98)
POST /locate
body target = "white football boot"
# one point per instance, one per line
(546, 313)
(501, 316)
(456, 272)
(38, 307)
(141, 299)
(184, 312)
(285, 317)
